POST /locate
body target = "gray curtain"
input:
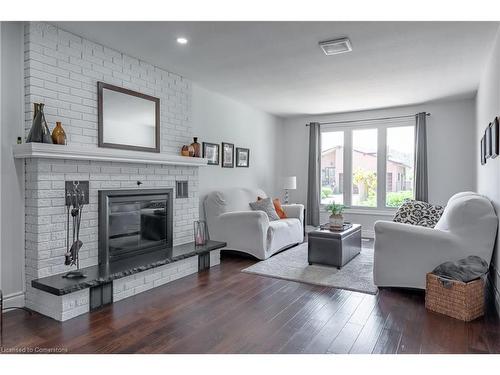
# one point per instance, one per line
(421, 183)
(314, 175)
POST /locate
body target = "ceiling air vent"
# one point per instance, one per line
(334, 47)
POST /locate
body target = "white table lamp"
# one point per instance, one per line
(289, 183)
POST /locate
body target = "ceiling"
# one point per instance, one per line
(278, 67)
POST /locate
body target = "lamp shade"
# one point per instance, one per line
(290, 183)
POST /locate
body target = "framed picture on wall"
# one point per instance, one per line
(483, 151)
(242, 157)
(494, 131)
(227, 155)
(211, 152)
(487, 140)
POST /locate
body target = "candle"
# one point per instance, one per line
(199, 240)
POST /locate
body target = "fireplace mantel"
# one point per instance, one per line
(72, 152)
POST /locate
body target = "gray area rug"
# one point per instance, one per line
(357, 275)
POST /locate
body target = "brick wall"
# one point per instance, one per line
(140, 282)
(62, 307)
(46, 212)
(71, 305)
(62, 71)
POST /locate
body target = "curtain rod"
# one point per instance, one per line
(368, 119)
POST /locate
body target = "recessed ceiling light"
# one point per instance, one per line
(336, 46)
(182, 40)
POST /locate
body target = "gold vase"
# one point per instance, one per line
(59, 135)
(185, 150)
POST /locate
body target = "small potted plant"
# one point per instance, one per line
(336, 217)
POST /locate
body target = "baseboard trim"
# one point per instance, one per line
(497, 301)
(494, 280)
(13, 300)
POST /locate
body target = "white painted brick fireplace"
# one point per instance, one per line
(62, 71)
(46, 210)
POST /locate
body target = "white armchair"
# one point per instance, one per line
(404, 253)
(230, 219)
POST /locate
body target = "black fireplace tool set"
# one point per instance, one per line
(75, 201)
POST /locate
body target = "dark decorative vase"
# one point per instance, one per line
(197, 148)
(58, 134)
(39, 131)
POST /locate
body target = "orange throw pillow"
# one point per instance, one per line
(277, 206)
(279, 210)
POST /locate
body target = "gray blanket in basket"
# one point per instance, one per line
(465, 270)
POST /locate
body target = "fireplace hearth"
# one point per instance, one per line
(134, 222)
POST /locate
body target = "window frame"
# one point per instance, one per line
(381, 126)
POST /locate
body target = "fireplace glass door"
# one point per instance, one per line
(136, 224)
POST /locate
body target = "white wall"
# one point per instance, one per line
(488, 175)
(451, 154)
(217, 119)
(12, 183)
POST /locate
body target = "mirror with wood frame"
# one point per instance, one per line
(127, 119)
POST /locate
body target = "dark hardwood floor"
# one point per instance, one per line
(224, 310)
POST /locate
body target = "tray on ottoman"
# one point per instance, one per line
(334, 248)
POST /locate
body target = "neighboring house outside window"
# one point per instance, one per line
(398, 168)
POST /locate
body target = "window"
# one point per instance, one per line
(364, 168)
(332, 167)
(399, 162)
(367, 165)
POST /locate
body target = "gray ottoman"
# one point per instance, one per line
(334, 248)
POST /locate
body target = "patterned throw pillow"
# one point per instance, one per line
(267, 206)
(409, 212)
(277, 206)
(431, 216)
(418, 213)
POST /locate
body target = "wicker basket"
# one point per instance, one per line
(464, 301)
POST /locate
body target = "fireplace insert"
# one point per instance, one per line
(134, 222)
